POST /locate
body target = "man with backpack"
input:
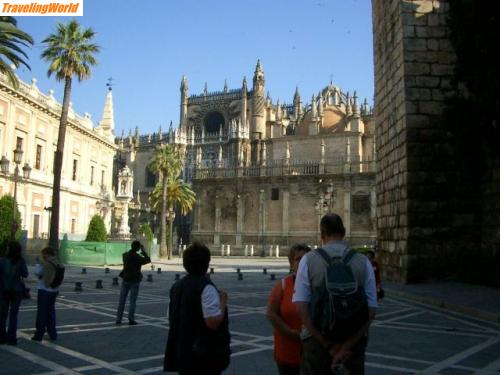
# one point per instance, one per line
(336, 298)
(50, 274)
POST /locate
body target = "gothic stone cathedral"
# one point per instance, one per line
(264, 172)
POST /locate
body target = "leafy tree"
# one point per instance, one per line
(97, 230)
(70, 53)
(170, 191)
(11, 41)
(6, 208)
(146, 231)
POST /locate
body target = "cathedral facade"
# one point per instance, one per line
(264, 171)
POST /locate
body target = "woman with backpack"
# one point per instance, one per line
(12, 270)
(283, 316)
(47, 272)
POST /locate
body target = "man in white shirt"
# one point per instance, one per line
(319, 353)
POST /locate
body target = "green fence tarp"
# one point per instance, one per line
(92, 253)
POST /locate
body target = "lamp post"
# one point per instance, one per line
(4, 165)
(325, 203)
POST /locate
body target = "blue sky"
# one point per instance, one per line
(147, 45)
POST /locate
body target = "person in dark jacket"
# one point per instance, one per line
(12, 270)
(131, 276)
(198, 337)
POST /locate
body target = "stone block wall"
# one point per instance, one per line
(427, 204)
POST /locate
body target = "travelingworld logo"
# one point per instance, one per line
(17, 8)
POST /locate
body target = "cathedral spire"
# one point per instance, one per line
(225, 85)
(107, 123)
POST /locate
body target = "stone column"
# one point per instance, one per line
(239, 219)
(373, 208)
(217, 221)
(262, 218)
(284, 228)
(347, 209)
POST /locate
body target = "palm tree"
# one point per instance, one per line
(10, 40)
(178, 193)
(170, 190)
(70, 52)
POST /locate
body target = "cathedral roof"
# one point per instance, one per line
(333, 121)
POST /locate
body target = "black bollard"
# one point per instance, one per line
(177, 276)
(150, 278)
(115, 281)
(98, 284)
(212, 270)
(106, 270)
(84, 271)
(273, 276)
(158, 270)
(240, 276)
(264, 271)
(238, 270)
(78, 286)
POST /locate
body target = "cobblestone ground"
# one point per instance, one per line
(406, 338)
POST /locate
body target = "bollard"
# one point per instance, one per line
(84, 271)
(115, 281)
(270, 250)
(98, 284)
(277, 251)
(246, 250)
(158, 270)
(106, 270)
(251, 250)
(221, 250)
(228, 250)
(78, 287)
(273, 276)
(240, 276)
(212, 270)
(238, 270)
(177, 276)
(150, 278)
(264, 271)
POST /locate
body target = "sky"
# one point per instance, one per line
(147, 45)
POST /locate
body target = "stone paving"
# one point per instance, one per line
(406, 338)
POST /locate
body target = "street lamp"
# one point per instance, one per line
(4, 167)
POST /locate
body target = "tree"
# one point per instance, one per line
(170, 190)
(146, 231)
(97, 230)
(11, 41)
(178, 194)
(70, 52)
(6, 220)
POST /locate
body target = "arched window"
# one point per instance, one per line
(213, 121)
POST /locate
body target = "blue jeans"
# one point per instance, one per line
(46, 314)
(9, 306)
(134, 291)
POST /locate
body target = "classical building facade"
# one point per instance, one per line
(29, 120)
(265, 172)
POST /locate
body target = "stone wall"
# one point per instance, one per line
(428, 201)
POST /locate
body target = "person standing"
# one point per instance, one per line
(283, 315)
(376, 269)
(45, 270)
(343, 343)
(12, 270)
(131, 276)
(198, 337)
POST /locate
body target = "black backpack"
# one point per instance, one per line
(339, 307)
(59, 275)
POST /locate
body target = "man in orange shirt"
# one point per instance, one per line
(283, 315)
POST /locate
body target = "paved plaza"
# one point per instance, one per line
(406, 338)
